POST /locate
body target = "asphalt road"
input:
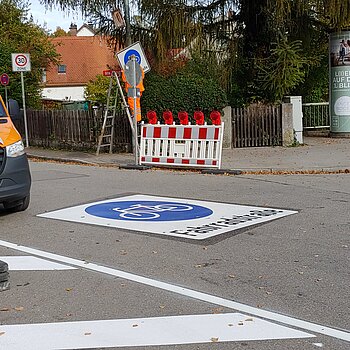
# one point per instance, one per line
(295, 266)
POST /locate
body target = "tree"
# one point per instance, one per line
(238, 36)
(59, 32)
(96, 90)
(20, 34)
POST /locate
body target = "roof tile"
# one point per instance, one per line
(84, 57)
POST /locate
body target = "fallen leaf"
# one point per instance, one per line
(5, 309)
(231, 276)
(268, 293)
(135, 325)
(123, 252)
(162, 306)
(218, 310)
(2, 333)
(198, 265)
(214, 340)
(301, 272)
(19, 308)
(69, 289)
(88, 333)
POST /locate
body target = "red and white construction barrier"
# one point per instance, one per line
(182, 145)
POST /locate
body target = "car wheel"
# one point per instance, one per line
(18, 205)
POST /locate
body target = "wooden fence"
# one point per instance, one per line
(76, 130)
(257, 126)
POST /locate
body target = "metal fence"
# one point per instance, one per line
(316, 115)
(257, 126)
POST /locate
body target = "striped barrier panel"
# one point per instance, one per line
(182, 145)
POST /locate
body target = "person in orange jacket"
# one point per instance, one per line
(138, 98)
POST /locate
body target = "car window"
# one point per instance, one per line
(2, 111)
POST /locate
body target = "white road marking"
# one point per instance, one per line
(269, 315)
(191, 219)
(29, 263)
(171, 330)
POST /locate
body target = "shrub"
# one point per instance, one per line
(182, 92)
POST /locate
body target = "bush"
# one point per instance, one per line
(183, 91)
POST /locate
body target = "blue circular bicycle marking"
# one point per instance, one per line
(148, 211)
(130, 53)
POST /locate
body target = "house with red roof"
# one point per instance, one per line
(84, 55)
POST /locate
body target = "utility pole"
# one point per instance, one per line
(127, 22)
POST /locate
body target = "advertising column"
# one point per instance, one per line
(339, 106)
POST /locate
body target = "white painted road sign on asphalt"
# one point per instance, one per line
(153, 331)
(265, 330)
(169, 216)
(136, 50)
(21, 62)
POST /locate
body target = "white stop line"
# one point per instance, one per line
(272, 316)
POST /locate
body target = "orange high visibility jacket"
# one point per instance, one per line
(130, 99)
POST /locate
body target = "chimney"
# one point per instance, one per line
(73, 29)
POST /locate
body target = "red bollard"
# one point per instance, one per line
(152, 117)
(199, 117)
(168, 117)
(215, 117)
(183, 117)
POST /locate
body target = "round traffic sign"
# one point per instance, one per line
(150, 211)
(131, 52)
(21, 60)
(4, 79)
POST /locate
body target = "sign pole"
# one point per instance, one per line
(6, 102)
(135, 111)
(24, 111)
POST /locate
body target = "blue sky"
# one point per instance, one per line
(54, 18)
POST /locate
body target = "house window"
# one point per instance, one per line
(62, 68)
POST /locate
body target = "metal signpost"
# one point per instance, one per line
(21, 63)
(5, 80)
(133, 60)
(133, 74)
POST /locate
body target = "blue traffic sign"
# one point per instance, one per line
(128, 55)
(148, 211)
(136, 50)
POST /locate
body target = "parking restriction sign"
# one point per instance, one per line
(4, 79)
(21, 62)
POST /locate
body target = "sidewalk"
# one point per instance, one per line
(317, 154)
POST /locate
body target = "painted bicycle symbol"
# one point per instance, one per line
(149, 212)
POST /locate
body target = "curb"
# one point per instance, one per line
(61, 160)
(203, 171)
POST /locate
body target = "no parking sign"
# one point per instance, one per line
(136, 50)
